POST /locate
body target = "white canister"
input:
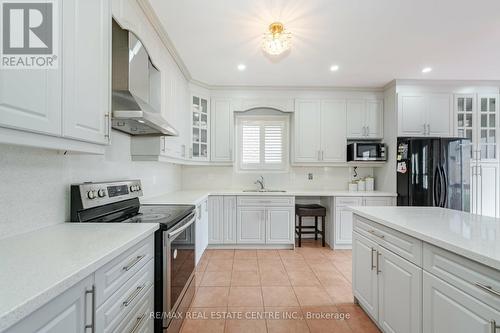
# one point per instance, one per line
(353, 187)
(361, 185)
(370, 183)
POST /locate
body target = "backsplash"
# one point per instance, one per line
(35, 182)
(218, 177)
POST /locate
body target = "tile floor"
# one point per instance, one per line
(275, 291)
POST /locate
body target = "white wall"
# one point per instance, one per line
(35, 182)
(219, 177)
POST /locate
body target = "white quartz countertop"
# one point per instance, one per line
(472, 236)
(37, 266)
(195, 197)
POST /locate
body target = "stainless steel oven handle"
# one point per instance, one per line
(181, 229)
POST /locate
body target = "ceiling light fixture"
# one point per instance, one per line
(426, 70)
(277, 40)
(242, 67)
(334, 68)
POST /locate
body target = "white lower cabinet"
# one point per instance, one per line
(342, 235)
(387, 286)
(364, 274)
(251, 225)
(201, 229)
(449, 309)
(221, 219)
(118, 297)
(400, 293)
(279, 230)
(229, 218)
(69, 312)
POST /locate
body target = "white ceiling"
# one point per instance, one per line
(373, 41)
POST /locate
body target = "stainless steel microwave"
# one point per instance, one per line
(366, 151)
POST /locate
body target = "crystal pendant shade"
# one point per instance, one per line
(277, 40)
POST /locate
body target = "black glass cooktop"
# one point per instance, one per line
(167, 215)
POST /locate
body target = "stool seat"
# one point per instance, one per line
(310, 210)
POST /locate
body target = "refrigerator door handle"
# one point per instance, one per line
(437, 180)
(445, 186)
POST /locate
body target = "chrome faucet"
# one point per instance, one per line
(261, 183)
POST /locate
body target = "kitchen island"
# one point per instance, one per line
(427, 269)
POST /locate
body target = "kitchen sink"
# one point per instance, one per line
(265, 191)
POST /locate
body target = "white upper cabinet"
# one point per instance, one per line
(425, 114)
(365, 119)
(319, 131)
(333, 131)
(87, 74)
(222, 129)
(307, 133)
(74, 100)
(200, 123)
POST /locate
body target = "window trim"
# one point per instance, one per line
(284, 167)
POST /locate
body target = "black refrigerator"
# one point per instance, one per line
(434, 172)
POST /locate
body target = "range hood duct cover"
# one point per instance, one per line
(132, 114)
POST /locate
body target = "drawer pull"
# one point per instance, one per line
(133, 263)
(373, 266)
(375, 234)
(138, 323)
(132, 296)
(488, 289)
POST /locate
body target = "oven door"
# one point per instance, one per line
(368, 152)
(179, 266)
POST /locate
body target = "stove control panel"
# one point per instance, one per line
(89, 195)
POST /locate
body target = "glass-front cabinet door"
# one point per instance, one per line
(464, 105)
(487, 127)
(200, 120)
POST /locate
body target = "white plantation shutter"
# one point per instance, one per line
(262, 143)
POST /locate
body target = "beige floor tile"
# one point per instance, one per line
(201, 320)
(245, 279)
(359, 322)
(271, 264)
(332, 279)
(290, 254)
(245, 254)
(220, 265)
(279, 296)
(325, 320)
(285, 320)
(312, 296)
(216, 279)
(221, 254)
(245, 296)
(277, 277)
(248, 321)
(211, 297)
(295, 265)
(303, 278)
(267, 254)
(245, 265)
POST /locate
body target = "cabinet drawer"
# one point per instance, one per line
(399, 243)
(265, 201)
(117, 307)
(473, 278)
(113, 275)
(139, 320)
(348, 201)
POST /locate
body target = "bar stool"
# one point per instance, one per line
(312, 210)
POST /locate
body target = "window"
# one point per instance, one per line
(262, 142)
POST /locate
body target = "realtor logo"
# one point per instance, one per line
(29, 31)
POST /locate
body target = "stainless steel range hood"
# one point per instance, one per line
(136, 88)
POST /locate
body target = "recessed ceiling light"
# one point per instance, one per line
(427, 70)
(334, 68)
(242, 67)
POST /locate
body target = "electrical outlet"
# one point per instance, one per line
(310, 176)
